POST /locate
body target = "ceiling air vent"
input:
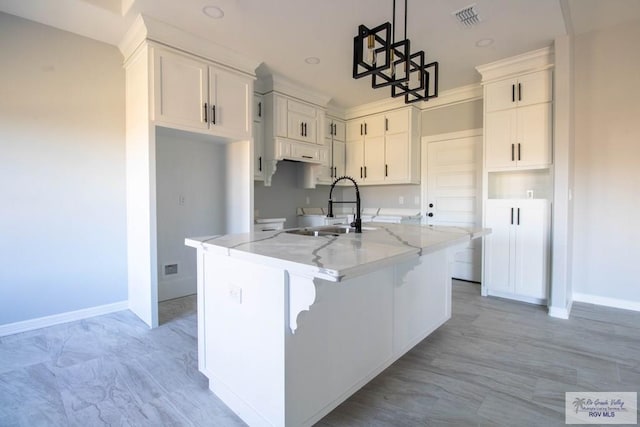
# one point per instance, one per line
(467, 16)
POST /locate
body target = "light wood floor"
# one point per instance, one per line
(495, 363)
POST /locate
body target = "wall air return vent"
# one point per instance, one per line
(467, 16)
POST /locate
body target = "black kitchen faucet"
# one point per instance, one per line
(358, 221)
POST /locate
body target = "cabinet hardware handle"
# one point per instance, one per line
(360, 172)
(301, 129)
(513, 93)
(519, 152)
(259, 109)
(518, 216)
(430, 214)
(260, 163)
(511, 216)
(361, 129)
(386, 124)
(512, 153)
(365, 132)
(430, 205)
(365, 170)
(335, 171)
(305, 129)
(386, 170)
(307, 157)
(519, 92)
(206, 119)
(213, 114)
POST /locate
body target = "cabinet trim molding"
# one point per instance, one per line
(535, 60)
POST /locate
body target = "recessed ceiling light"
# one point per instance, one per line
(484, 42)
(313, 60)
(213, 12)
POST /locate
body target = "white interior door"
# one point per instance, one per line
(452, 191)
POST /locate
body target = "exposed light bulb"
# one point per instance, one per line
(393, 66)
(371, 53)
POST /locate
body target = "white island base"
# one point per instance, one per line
(282, 348)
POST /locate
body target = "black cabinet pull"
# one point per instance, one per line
(519, 92)
(386, 124)
(365, 170)
(511, 216)
(365, 131)
(513, 93)
(335, 171)
(512, 153)
(301, 129)
(259, 109)
(361, 129)
(307, 157)
(430, 205)
(360, 172)
(260, 163)
(519, 152)
(518, 216)
(430, 214)
(206, 120)
(213, 114)
(386, 170)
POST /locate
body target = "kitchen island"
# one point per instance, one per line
(290, 325)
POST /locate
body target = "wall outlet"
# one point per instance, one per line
(170, 269)
(181, 200)
(235, 293)
(401, 200)
(529, 194)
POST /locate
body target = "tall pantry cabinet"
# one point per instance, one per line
(518, 176)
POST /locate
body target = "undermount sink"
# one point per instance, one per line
(329, 230)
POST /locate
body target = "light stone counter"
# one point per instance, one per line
(335, 258)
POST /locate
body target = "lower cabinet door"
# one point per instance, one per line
(532, 248)
(517, 250)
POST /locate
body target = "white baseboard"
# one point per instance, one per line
(606, 301)
(561, 312)
(56, 319)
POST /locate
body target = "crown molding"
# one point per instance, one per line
(145, 28)
(530, 61)
(278, 83)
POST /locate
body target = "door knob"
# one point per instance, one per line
(430, 214)
(430, 205)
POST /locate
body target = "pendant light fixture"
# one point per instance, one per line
(391, 63)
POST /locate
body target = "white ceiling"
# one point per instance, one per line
(282, 33)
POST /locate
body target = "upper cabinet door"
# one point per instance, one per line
(533, 136)
(180, 91)
(500, 133)
(534, 88)
(230, 96)
(528, 89)
(397, 122)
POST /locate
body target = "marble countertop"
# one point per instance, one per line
(336, 257)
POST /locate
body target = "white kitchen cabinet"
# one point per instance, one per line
(517, 250)
(196, 95)
(297, 120)
(335, 136)
(518, 124)
(518, 138)
(258, 139)
(390, 148)
(526, 89)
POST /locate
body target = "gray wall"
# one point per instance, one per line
(606, 198)
(467, 115)
(286, 194)
(62, 180)
(191, 197)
